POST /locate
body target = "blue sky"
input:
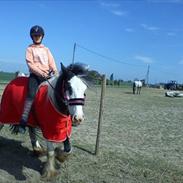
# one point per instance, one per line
(129, 34)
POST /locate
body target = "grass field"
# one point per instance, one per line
(6, 76)
(141, 141)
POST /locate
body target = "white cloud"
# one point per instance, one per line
(181, 62)
(11, 61)
(113, 8)
(165, 1)
(6, 60)
(129, 30)
(41, 5)
(171, 34)
(118, 12)
(144, 59)
(110, 5)
(149, 28)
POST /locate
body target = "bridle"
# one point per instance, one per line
(71, 101)
(65, 99)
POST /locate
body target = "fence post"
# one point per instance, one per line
(100, 113)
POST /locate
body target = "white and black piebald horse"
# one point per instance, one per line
(137, 85)
(19, 74)
(57, 106)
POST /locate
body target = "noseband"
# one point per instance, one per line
(76, 101)
(65, 99)
(72, 101)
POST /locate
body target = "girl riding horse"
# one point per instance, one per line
(57, 105)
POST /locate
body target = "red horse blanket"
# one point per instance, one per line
(55, 126)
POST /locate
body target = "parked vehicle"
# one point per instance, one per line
(172, 85)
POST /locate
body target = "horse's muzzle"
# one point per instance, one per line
(76, 120)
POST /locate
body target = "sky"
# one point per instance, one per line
(123, 37)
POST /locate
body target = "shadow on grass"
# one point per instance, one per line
(14, 157)
(128, 93)
(83, 149)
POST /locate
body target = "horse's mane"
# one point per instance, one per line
(81, 71)
(78, 69)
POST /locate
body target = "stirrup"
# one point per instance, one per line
(15, 129)
(21, 129)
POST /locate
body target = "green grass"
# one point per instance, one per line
(6, 76)
(141, 140)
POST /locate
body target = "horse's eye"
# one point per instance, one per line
(85, 95)
(69, 89)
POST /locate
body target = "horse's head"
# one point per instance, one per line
(73, 90)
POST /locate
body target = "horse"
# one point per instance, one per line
(57, 106)
(137, 85)
(18, 74)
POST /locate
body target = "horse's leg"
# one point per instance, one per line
(49, 169)
(37, 148)
(1, 126)
(133, 88)
(139, 90)
(67, 145)
(63, 154)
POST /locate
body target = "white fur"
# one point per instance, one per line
(78, 90)
(138, 84)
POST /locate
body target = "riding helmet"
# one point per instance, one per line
(36, 30)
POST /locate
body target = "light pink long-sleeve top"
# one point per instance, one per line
(40, 60)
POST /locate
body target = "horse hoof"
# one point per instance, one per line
(39, 151)
(48, 174)
(61, 155)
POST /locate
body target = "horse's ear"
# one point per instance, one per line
(63, 68)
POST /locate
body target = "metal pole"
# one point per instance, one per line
(74, 50)
(147, 76)
(100, 113)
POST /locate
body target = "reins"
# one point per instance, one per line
(58, 95)
(65, 100)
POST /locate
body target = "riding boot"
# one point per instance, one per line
(25, 115)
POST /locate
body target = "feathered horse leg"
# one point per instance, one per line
(36, 146)
(63, 154)
(50, 167)
(1, 126)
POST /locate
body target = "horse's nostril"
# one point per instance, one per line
(74, 118)
(78, 119)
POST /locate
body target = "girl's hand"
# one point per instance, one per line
(44, 74)
(55, 73)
